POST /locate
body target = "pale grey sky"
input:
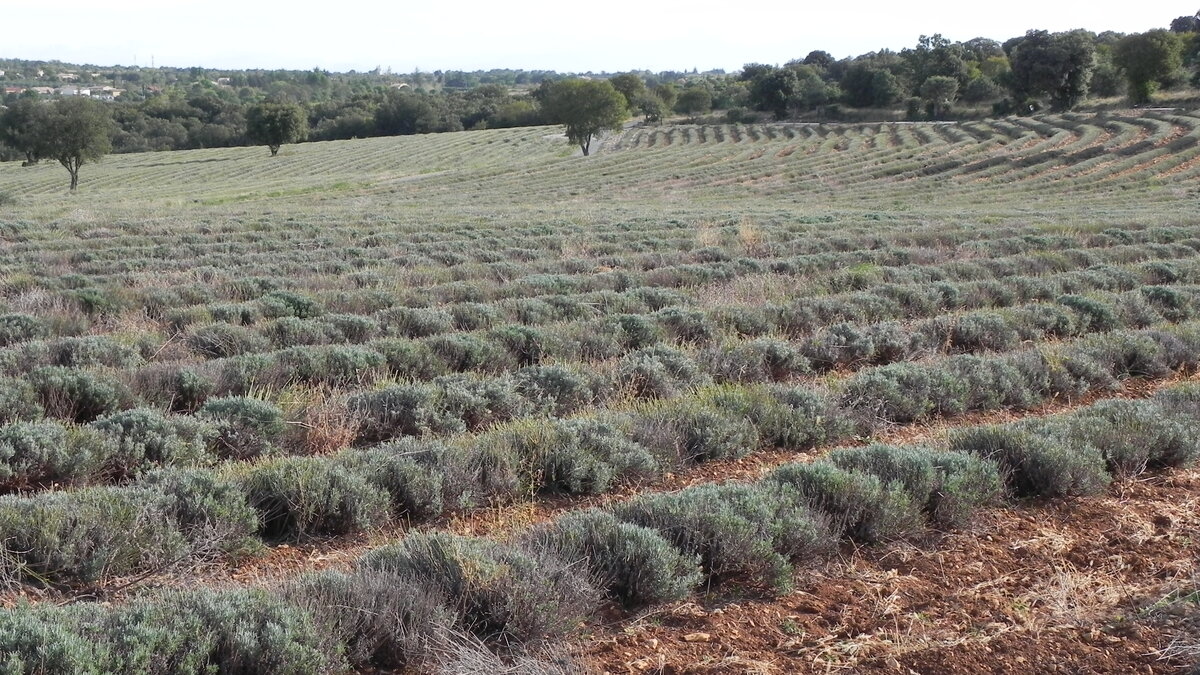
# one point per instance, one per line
(532, 34)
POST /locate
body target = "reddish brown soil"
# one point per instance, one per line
(498, 521)
(1077, 586)
(284, 562)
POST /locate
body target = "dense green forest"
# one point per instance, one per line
(182, 108)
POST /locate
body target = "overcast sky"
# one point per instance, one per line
(567, 36)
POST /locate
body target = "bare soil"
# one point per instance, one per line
(1097, 585)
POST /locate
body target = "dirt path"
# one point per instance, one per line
(1098, 585)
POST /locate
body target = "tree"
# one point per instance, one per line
(20, 128)
(475, 107)
(1148, 59)
(1057, 65)
(585, 107)
(821, 60)
(517, 113)
(811, 89)
(541, 92)
(274, 124)
(652, 107)
(773, 90)
(403, 112)
(939, 91)
(1186, 24)
(728, 92)
(631, 87)
(935, 55)
(668, 93)
(693, 101)
(1107, 79)
(865, 86)
(75, 131)
(980, 89)
(981, 49)
(753, 71)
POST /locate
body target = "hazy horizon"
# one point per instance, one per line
(539, 35)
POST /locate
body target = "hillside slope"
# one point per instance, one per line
(231, 383)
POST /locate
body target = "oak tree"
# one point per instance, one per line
(21, 128)
(75, 131)
(1056, 65)
(939, 91)
(693, 101)
(1148, 59)
(632, 87)
(274, 124)
(585, 107)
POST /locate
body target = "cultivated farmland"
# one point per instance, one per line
(765, 398)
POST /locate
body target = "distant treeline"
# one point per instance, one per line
(170, 108)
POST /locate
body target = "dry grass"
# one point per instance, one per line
(751, 238)
(319, 421)
(708, 234)
(752, 289)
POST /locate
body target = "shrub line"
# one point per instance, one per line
(404, 601)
